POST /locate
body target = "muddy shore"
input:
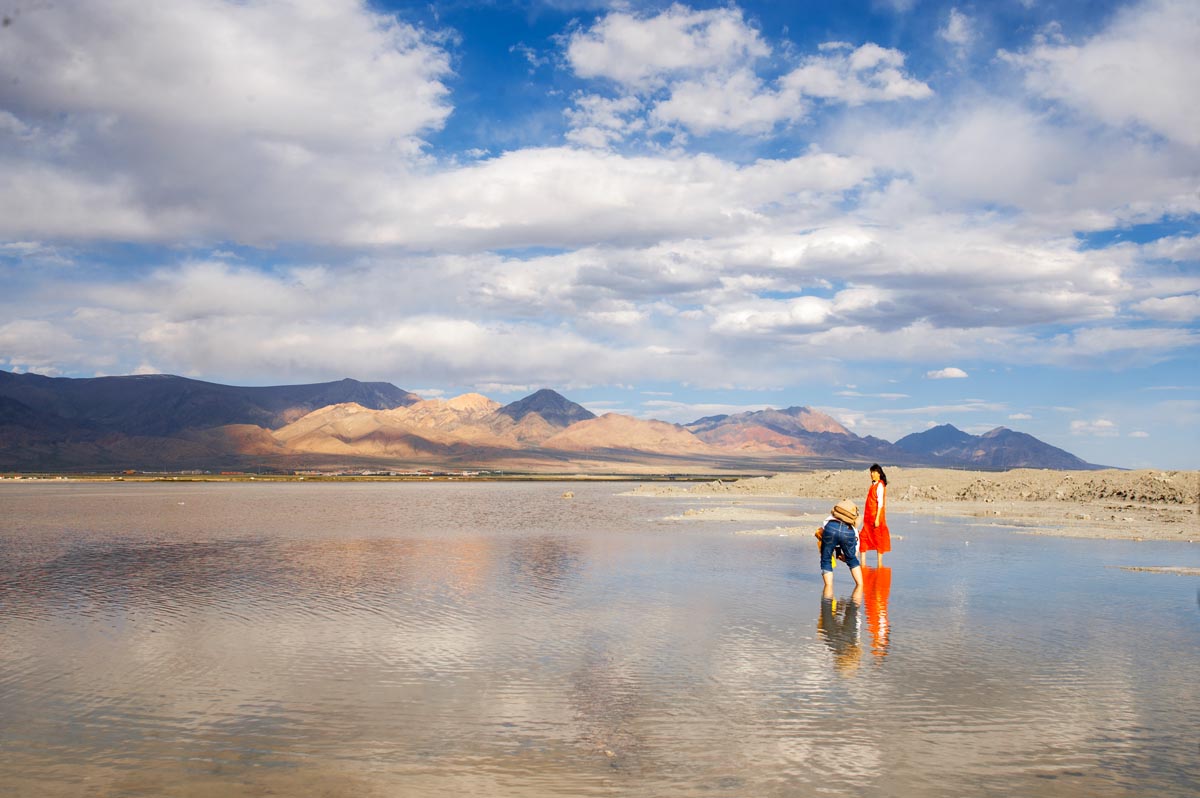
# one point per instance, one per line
(1127, 505)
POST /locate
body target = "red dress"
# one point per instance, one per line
(873, 537)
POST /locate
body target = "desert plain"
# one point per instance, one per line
(1114, 504)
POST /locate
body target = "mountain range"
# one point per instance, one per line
(165, 422)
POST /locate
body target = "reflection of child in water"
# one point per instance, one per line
(840, 630)
(838, 626)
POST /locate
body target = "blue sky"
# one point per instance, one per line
(903, 213)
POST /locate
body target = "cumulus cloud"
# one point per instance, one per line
(39, 346)
(889, 396)
(315, 74)
(1062, 177)
(240, 119)
(1174, 248)
(696, 71)
(1118, 346)
(949, 373)
(958, 29)
(688, 307)
(1137, 71)
(803, 314)
(1100, 428)
(639, 50)
(617, 248)
(687, 412)
(571, 197)
(736, 102)
(598, 121)
(1185, 308)
(966, 406)
(869, 73)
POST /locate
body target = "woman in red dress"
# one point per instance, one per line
(875, 535)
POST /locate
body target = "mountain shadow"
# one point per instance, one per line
(163, 404)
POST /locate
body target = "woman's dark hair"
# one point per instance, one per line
(882, 476)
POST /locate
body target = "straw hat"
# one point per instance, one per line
(846, 511)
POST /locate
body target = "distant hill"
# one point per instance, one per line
(944, 440)
(795, 430)
(1000, 448)
(164, 422)
(454, 428)
(163, 404)
(554, 408)
(615, 432)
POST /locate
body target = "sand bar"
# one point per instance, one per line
(1113, 504)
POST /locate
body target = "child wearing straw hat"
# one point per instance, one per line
(838, 539)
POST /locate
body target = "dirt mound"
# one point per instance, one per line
(941, 485)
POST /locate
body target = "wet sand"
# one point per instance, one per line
(1111, 504)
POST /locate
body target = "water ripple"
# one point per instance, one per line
(498, 640)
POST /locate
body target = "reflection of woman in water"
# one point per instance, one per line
(877, 584)
(875, 534)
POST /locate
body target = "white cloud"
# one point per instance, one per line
(212, 289)
(1100, 428)
(869, 73)
(949, 373)
(640, 50)
(1052, 177)
(803, 314)
(958, 30)
(687, 412)
(1173, 308)
(946, 228)
(1115, 346)
(600, 121)
(695, 71)
(244, 120)
(1139, 70)
(898, 6)
(1139, 434)
(736, 102)
(489, 388)
(873, 395)
(318, 74)
(704, 309)
(38, 346)
(438, 348)
(1174, 248)
(570, 197)
(1020, 417)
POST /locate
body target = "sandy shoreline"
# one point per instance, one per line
(1110, 504)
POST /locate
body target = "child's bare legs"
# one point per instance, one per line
(827, 577)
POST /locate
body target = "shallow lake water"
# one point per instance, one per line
(498, 639)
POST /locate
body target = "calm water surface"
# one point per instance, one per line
(481, 639)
